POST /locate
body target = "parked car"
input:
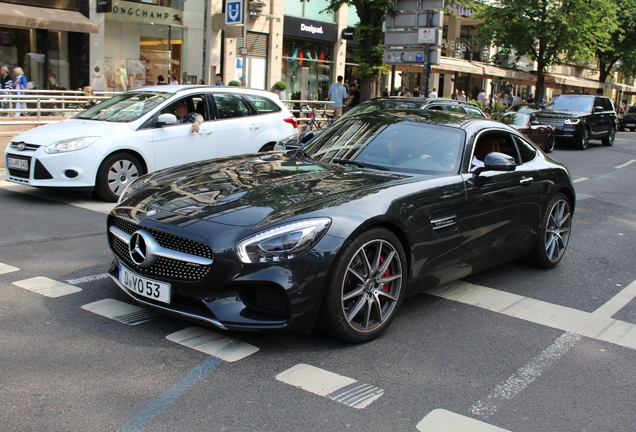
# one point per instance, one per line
(380, 206)
(384, 103)
(106, 147)
(578, 118)
(628, 119)
(528, 124)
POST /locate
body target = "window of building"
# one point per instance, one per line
(309, 9)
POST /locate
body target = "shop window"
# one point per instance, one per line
(313, 55)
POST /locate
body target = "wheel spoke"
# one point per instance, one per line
(354, 293)
(385, 265)
(356, 308)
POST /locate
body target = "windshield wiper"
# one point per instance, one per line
(359, 164)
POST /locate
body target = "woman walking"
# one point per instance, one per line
(20, 82)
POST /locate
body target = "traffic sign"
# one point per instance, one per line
(429, 36)
(413, 55)
(234, 12)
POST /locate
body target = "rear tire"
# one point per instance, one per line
(549, 144)
(366, 287)
(115, 173)
(609, 139)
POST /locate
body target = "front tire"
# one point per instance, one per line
(366, 288)
(554, 233)
(584, 140)
(115, 173)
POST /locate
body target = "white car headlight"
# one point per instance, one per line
(282, 243)
(572, 121)
(70, 145)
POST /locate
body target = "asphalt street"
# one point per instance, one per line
(514, 348)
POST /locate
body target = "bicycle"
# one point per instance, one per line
(318, 118)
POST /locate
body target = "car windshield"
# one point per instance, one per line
(570, 103)
(519, 119)
(383, 105)
(388, 142)
(124, 107)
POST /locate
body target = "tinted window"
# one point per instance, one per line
(474, 112)
(435, 108)
(263, 105)
(231, 106)
(456, 108)
(526, 150)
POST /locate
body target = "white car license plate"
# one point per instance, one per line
(631, 125)
(144, 286)
(20, 164)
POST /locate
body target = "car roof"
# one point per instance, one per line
(442, 118)
(422, 100)
(183, 88)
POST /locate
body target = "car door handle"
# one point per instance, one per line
(526, 181)
(254, 127)
(205, 132)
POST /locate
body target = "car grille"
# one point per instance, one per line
(553, 121)
(270, 299)
(163, 267)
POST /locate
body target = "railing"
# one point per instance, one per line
(303, 119)
(39, 103)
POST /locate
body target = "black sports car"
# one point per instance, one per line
(378, 207)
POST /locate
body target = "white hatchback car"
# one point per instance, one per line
(107, 146)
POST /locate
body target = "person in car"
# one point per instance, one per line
(185, 116)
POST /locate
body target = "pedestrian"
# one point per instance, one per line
(354, 96)
(173, 80)
(88, 92)
(461, 96)
(6, 83)
(406, 93)
(530, 98)
(218, 80)
(433, 93)
(416, 93)
(481, 97)
(511, 99)
(385, 93)
(201, 82)
(161, 80)
(337, 94)
(20, 82)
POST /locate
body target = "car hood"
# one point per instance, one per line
(560, 113)
(258, 189)
(72, 128)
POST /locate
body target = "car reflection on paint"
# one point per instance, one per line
(379, 207)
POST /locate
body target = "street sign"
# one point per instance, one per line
(429, 36)
(415, 19)
(403, 5)
(413, 55)
(234, 12)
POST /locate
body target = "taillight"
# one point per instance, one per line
(292, 121)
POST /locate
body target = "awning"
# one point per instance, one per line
(494, 71)
(624, 87)
(46, 19)
(552, 78)
(447, 64)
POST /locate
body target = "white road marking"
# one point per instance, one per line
(580, 179)
(47, 287)
(121, 312)
(440, 420)
(206, 341)
(87, 279)
(625, 164)
(336, 387)
(6, 268)
(587, 324)
(76, 200)
(617, 302)
(524, 376)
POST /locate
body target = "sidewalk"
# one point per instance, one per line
(7, 132)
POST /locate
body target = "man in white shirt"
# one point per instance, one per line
(337, 94)
(482, 97)
(433, 93)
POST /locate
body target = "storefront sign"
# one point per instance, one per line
(298, 27)
(127, 11)
(348, 33)
(104, 6)
(460, 10)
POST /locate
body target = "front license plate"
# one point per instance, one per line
(144, 286)
(631, 125)
(19, 164)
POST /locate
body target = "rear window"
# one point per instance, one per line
(262, 104)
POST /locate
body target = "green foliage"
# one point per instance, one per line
(497, 107)
(235, 83)
(280, 85)
(620, 54)
(479, 104)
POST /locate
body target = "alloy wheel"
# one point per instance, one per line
(557, 233)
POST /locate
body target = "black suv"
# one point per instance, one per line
(577, 118)
(628, 119)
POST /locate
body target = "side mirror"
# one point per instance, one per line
(166, 119)
(497, 162)
(305, 136)
(534, 123)
(598, 108)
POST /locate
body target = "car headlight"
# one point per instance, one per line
(70, 145)
(572, 121)
(282, 243)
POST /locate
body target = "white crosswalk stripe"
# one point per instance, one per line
(214, 344)
(47, 287)
(6, 268)
(119, 311)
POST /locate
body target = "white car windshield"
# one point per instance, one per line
(125, 107)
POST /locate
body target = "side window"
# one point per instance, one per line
(456, 108)
(435, 108)
(262, 104)
(186, 109)
(526, 150)
(231, 106)
(474, 112)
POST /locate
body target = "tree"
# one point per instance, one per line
(621, 53)
(370, 53)
(547, 31)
